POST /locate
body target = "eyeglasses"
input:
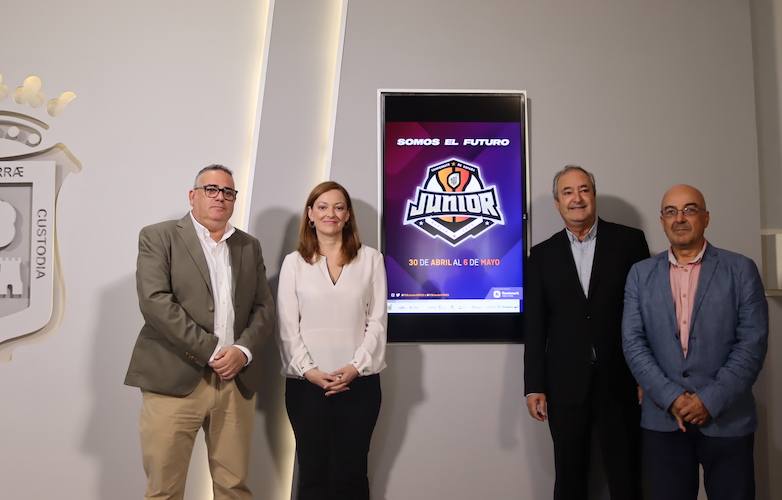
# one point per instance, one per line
(211, 190)
(688, 211)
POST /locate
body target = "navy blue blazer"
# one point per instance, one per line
(727, 344)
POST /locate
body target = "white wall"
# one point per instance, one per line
(163, 89)
(645, 94)
(767, 50)
(292, 157)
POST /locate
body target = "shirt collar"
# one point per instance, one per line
(696, 260)
(591, 234)
(203, 232)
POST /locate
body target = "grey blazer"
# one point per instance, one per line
(727, 344)
(175, 298)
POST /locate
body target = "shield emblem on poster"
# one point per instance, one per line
(453, 203)
(32, 171)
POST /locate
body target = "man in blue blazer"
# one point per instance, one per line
(694, 333)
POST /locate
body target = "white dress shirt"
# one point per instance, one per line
(218, 260)
(584, 255)
(327, 325)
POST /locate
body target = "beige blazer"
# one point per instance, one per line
(175, 297)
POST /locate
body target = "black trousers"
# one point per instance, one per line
(616, 421)
(332, 437)
(670, 465)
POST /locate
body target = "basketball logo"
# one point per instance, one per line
(453, 203)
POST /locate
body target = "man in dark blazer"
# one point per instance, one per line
(207, 308)
(695, 335)
(574, 372)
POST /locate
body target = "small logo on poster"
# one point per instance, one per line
(453, 203)
(33, 167)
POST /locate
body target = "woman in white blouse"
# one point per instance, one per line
(332, 311)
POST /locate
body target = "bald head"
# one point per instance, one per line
(683, 191)
(684, 219)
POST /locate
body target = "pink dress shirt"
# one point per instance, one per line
(684, 284)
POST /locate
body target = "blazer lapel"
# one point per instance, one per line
(570, 271)
(708, 267)
(193, 245)
(235, 248)
(663, 283)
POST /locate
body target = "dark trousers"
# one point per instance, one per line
(670, 465)
(616, 423)
(332, 437)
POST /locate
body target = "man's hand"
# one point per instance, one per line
(228, 361)
(676, 409)
(536, 405)
(640, 395)
(342, 379)
(694, 411)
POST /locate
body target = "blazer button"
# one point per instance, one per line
(588, 316)
(685, 374)
(211, 308)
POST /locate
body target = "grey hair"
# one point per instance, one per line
(569, 168)
(208, 168)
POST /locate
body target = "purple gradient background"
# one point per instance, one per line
(405, 168)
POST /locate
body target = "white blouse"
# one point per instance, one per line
(327, 325)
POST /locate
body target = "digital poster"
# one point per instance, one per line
(454, 219)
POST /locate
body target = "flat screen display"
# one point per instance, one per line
(453, 222)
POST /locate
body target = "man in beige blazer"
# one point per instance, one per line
(207, 307)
